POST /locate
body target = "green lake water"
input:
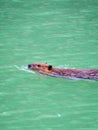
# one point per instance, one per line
(63, 33)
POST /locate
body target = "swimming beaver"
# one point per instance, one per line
(64, 73)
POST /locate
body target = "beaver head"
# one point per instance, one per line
(38, 67)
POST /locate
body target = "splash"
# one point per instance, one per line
(24, 68)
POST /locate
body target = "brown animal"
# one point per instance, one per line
(64, 73)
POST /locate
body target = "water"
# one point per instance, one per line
(62, 33)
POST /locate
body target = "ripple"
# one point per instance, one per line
(24, 68)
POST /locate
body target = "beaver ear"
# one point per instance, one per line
(50, 67)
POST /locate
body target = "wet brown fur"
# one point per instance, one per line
(57, 72)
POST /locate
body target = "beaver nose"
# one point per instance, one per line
(29, 66)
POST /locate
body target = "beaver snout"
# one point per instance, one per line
(29, 66)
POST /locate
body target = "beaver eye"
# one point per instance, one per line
(39, 65)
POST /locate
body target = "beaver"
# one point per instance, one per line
(49, 70)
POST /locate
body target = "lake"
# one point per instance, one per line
(62, 33)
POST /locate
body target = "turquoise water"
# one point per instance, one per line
(63, 33)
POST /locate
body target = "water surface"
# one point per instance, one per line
(63, 33)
